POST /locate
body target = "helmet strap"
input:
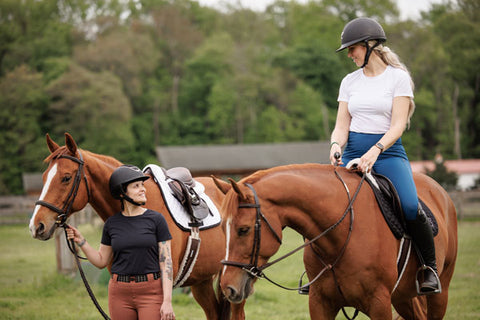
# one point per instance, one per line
(130, 200)
(369, 52)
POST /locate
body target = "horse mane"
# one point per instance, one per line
(65, 151)
(230, 203)
(254, 177)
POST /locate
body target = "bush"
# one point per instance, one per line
(447, 179)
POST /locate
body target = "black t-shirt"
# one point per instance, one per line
(134, 241)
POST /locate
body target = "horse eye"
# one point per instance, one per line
(243, 231)
(66, 179)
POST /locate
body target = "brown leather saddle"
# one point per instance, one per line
(182, 185)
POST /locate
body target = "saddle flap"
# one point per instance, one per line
(179, 214)
(188, 197)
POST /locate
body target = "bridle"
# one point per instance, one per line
(256, 271)
(62, 214)
(252, 268)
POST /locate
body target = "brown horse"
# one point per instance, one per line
(75, 177)
(354, 260)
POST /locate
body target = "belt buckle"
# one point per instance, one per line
(132, 278)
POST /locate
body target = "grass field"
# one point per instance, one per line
(30, 287)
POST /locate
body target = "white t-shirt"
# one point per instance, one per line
(370, 99)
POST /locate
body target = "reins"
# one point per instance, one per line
(62, 215)
(85, 281)
(257, 271)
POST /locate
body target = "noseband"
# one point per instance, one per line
(65, 211)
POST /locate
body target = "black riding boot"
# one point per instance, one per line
(422, 236)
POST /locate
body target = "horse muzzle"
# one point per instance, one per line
(42, 230)
(236, 293)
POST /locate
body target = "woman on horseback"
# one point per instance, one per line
(375, 107)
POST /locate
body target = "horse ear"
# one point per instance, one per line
(70, 143)
(237, 189)
(52, 145)
(222, 185)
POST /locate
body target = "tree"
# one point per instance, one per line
(30, 32)
(177, 37)
(21, 141)
(447, 179)
(92, 107)
(460, 36)
(130, 55)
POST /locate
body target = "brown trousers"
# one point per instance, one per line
(135, 300)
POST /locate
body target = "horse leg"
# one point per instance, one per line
(238, 311)
(412, 309)
(437, 305)
(320, 306)
(204, 294)
(230, 311)
(379, 305)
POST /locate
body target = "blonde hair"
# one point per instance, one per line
(392, 59)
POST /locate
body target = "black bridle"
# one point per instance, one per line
(252, 268)
(62, 214)
(256, 271)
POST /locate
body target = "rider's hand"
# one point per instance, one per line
(368, 159)
(335, 148)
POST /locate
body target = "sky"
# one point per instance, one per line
(408, 8)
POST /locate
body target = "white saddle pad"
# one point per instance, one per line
(178, 213)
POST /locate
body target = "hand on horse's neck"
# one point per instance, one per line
(132, 210)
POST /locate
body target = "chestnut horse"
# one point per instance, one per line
(352, 260)
(75, 177)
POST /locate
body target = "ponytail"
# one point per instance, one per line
(392, 59)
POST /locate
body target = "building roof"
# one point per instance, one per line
(241, 158)
(462, 166)
(32, 182)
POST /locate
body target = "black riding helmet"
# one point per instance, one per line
(121, 177)
(362, 30)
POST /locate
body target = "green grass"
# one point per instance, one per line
(31, 288)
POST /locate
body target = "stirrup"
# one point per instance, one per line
(417, 284)
(304, 290)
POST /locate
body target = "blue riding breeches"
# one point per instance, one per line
(393, 163)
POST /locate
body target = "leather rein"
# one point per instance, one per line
(256, 271)
(62, 215)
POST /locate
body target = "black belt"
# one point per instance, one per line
(136, 277)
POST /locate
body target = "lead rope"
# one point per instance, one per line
(71, 246)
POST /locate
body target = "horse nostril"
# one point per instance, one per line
(40, 228)
(231, 292)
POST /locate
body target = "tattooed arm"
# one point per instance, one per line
(166, 269)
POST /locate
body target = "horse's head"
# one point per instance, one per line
(253, 235)
(65, 188)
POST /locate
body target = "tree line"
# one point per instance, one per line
(125, 76)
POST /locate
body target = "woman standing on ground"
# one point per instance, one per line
(136, 241)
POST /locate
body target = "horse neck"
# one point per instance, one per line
(308, 201)
(98, 171)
